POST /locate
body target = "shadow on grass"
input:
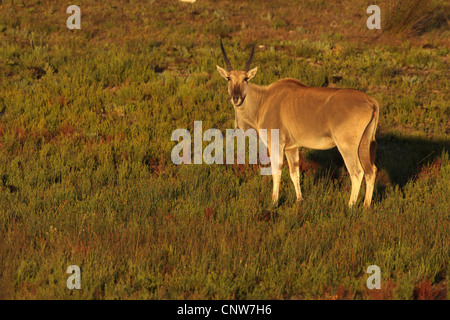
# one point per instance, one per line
(401, 157)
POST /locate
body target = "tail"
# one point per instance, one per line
(368, 146)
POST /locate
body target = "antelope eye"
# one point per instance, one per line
(246, 79)
(228, 78)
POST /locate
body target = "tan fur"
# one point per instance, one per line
(315, 118)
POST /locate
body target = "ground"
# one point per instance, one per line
(86, 177)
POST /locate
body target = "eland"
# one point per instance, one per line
(315, 118)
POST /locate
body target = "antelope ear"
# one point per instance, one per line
(223, 72)
(252, 73)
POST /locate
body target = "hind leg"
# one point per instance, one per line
(294, 170)
(356, 176)
(355, 170)
(370, 183)
(367, 153)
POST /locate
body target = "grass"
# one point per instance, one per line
(86, 178)
(414, 17)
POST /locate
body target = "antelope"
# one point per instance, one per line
(311, 117)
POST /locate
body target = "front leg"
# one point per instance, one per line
(276, 148)
(276, 174)
(293, 160)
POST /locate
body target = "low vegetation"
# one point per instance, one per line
(86, 177)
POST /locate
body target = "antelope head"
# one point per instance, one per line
(237, 80)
